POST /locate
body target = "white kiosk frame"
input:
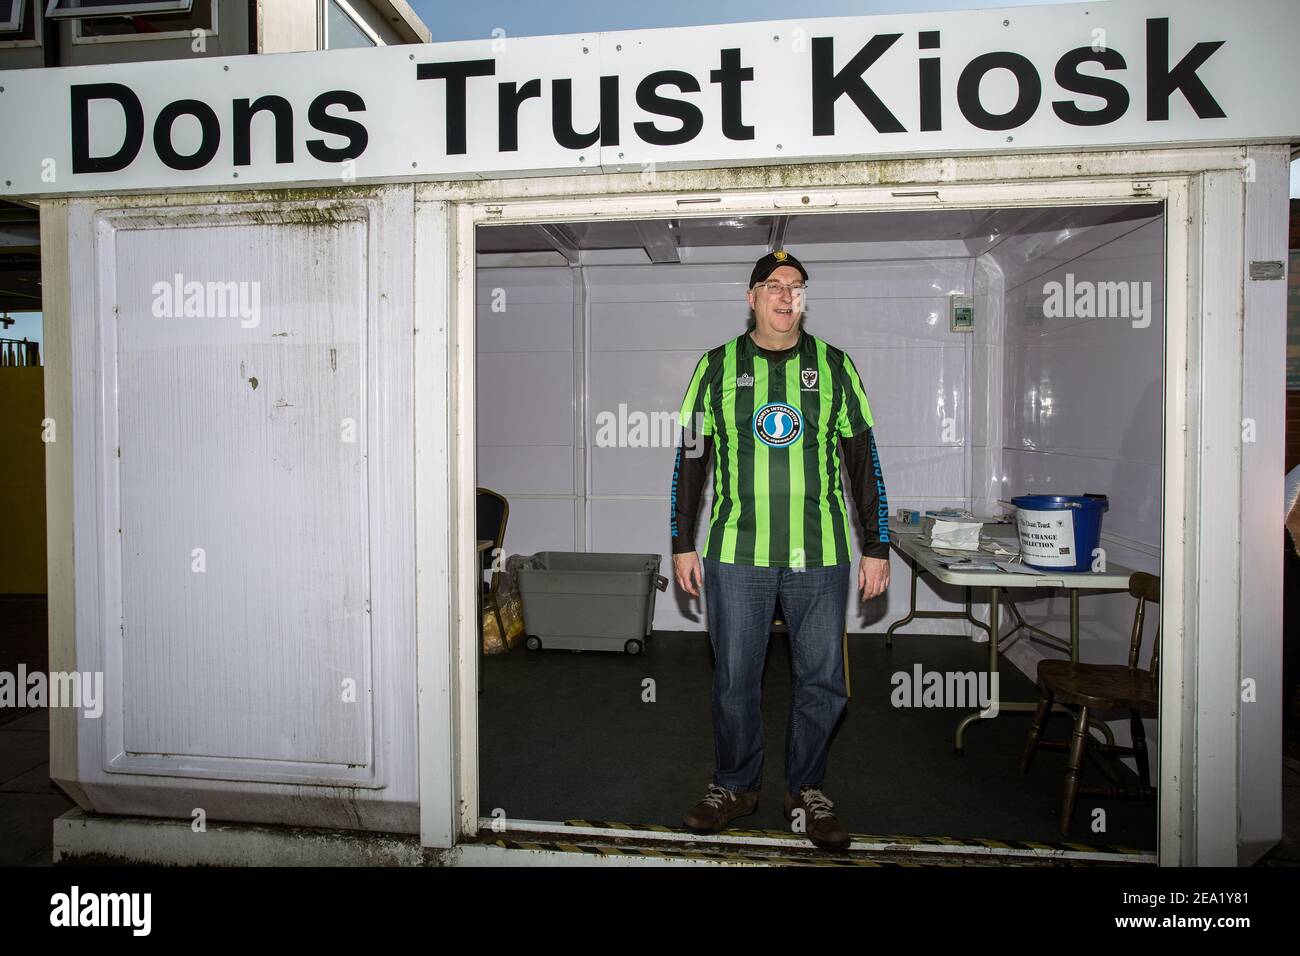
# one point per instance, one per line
(1219, 789)
(1218, 564)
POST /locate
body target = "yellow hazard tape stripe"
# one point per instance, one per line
(718, 856)
(957, 842)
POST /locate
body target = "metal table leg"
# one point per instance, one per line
(1093, 719)
(913, 613)
(911, 607)
(1032, 631)
(995, 704)
(1074, 625)
(998, 706)
(973, 619)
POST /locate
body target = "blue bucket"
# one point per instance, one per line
(1059, 532)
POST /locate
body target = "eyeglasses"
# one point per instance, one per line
(777, 288)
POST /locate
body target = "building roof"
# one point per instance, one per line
(404, 20)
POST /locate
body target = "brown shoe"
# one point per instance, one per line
(820, 824)
(718, 808)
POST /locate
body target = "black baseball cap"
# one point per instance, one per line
(765, 266)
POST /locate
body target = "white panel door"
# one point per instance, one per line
(244, 406)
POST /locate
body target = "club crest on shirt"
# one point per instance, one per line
(777, 424)
(744, 380)
(809, 378)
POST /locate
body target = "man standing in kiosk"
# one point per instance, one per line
(776, 405)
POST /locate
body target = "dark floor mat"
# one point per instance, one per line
(567, 735)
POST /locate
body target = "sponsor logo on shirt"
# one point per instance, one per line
(777, 424)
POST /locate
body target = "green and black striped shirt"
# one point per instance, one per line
(775, 421)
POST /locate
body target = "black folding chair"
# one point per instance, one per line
(492, 512)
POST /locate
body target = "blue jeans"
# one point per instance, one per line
(741, 601)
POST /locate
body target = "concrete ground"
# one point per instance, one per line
(28, 801)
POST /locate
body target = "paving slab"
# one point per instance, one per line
(27, 825)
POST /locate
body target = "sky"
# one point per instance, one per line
(27, 325)
(472, 21)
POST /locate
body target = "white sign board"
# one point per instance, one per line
(1076, 76)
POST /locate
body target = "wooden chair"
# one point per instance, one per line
(780, 627)
(1100, 687)
(492, 512)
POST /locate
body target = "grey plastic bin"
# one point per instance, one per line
(589, 601)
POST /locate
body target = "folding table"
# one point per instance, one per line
(925, 560)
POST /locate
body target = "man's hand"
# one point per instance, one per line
(873, 577)
(686, 568)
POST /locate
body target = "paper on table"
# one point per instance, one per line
(966, 564)
(1012, 567)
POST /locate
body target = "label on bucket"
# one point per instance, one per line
(1047, 537)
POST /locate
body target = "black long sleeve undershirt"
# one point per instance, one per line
(866, 485)
(693, 454)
